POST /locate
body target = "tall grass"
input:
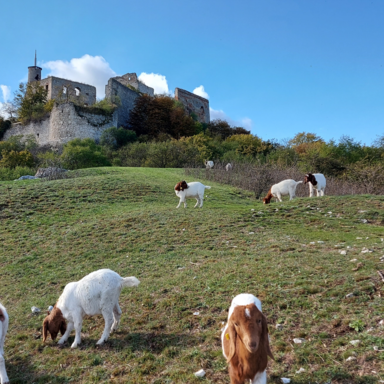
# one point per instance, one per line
(259, 178)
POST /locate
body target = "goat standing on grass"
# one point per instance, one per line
(95, 294)
(228, 167)
(285, 187)
(245, 341)
(4, 320)
(208, 164)
(194, 190)
(316, 182)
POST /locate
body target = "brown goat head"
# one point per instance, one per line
(310, 178)
(248, 326)
(267, 199)
(181, 185)
(54, 323)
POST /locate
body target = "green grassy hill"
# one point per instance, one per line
(190, 260)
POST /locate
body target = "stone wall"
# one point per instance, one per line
(68, 90)
(194, 104)
(132, 80)
(127, 97)
(66, 122)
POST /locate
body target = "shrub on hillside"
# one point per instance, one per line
(83, 153)
(12, 159)
(7, 174)
(117, 137)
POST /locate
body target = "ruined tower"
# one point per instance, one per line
(34, 72)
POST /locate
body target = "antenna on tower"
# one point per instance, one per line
(35, 57)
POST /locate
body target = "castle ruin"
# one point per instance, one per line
(68, 120)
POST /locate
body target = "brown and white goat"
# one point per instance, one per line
(245, 341)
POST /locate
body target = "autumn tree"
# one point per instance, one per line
(30, 101)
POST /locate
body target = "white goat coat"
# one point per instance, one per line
(319, 187)
(195, 190)
(244, 299)
(209, 164)
(96, 293)
(3, 331)
(228, 167)
(285, 187)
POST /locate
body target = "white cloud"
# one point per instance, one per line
(6, 92)
(92, 70)
(156, 81)
(199, 91)
(245, 122)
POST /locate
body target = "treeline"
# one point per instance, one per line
(160, 134)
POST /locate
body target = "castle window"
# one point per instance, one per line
(77, 91)
(64, 90)
(46, 88)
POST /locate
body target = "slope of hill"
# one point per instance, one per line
(191, 261)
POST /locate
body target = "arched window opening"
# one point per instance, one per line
(64, 90)
(77, 91)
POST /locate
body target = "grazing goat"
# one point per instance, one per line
(245, 341)
(285, 187)
(208, 164)
(96, 293)
(316, 182)
(194, 190)
(228, 167)
(4, 320)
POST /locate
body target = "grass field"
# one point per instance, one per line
(190, 260)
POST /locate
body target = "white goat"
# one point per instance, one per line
(208, 164)
(316, 182)
(194, 190)
(96, 293)
(285, 187)
(4, 320)
(228, 167)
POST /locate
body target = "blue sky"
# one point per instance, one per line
(278, 67)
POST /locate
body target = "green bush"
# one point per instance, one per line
(83, 153)
(7, 174)
(117, 137)
(13, 159)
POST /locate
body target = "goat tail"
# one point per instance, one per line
(207, 186)
(131, 281)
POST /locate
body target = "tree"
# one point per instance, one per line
(161, 114)
(30, 100)
(304, 138)
(10, 110)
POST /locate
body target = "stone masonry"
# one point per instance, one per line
(65, 123)
(127, 97)
(68, 90)
(131, 79)
(68, 121)
(194, 104)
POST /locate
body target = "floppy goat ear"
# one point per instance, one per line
(231, 336)
(45, 329)
(63, 327)
(265, 338)
(178, 186)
